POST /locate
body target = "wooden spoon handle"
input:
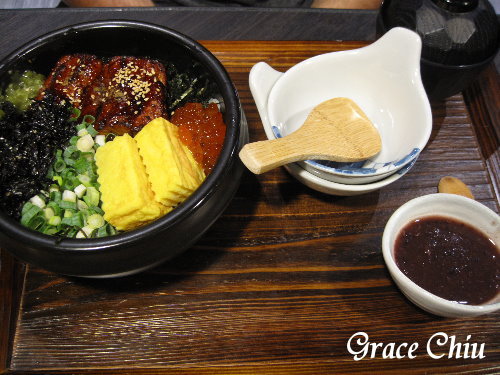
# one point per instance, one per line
(453, 185)
(336, 129)
(262, 156)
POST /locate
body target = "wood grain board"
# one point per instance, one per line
(279, 283)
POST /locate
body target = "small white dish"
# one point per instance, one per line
(334, 188)
(449, 205)
(382, 78)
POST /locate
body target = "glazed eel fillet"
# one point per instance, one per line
(123, 94)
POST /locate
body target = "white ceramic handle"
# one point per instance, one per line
(261, 80)
(399, 49)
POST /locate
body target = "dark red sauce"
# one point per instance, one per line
(450, 259)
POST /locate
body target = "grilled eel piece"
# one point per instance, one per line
(126, 94)
(71, 78)
(129, 93)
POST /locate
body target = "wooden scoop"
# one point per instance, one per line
(453, 185)
(336, 130)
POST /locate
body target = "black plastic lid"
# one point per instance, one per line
(458, 6)
(467, 36)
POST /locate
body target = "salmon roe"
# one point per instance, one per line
(202, 130)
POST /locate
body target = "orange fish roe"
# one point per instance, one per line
(202, 130)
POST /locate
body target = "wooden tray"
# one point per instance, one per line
(281, 281)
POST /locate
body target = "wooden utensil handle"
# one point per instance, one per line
(262, 156)
(453, 185)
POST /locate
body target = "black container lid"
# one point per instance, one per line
(453, 32)
(457, 6)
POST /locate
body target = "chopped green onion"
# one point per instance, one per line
(74, 221)
(89, 156)
(84, 232)
(95, 221)
(82, 165)
(69, 196)
(106, 230)
(57, 179)
(54, 220)
(81, 205)
(37, 201)
(100, 139)
(55, 196)
(26, 207)
(29, 214)
(80, 190)
(92, 196)
(59, 165)
(66, 205)
(48, 212)
(90, 130)
(96, 210)
(84, 179)
(71, 183)
(73, 140)
(70, 152)
(36, 223)
(54, 207)
(50, 230)
(50, 173)
(88, 119)
(75, 113)
(53, 188)
(69, 212)
(85, 143)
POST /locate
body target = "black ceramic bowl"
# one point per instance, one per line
(143, 248)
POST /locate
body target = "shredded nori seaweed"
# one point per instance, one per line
(191, 85)
(28, 142)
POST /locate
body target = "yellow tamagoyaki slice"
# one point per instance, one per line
(166, 162)
(172, 134)
(193, 171)
(198, 172)
(128, 200)
(162, 163)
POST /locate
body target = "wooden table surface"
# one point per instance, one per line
(281, 281)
